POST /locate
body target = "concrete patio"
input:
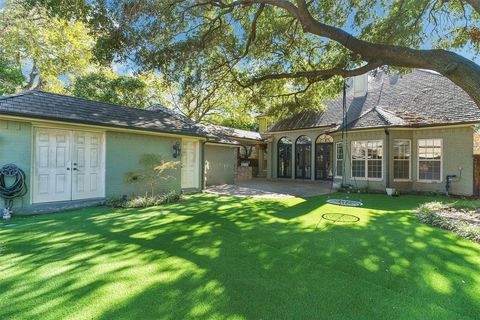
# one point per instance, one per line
(279, 188)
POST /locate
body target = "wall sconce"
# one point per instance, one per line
(176, 149)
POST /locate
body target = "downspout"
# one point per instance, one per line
(387, 156)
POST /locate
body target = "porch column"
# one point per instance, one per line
(293, 158)
(261, 169)
(313, 166)
(270, 159)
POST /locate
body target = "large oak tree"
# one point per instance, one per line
(286, 53)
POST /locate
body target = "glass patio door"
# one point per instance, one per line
(303, 156)
(324, 161)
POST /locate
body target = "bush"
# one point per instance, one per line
(145, 201)
(439, 215)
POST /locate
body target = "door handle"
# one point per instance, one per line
(75, 169)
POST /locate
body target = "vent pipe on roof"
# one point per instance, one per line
(360, 85)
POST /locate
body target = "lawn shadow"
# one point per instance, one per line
(220, 257)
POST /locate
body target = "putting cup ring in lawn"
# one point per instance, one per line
(340, 217)
(345, 203)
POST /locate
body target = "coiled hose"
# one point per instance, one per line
(17, 189)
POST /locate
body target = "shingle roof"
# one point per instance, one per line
(43, 105)
(215, 133)
(418, 98)
(226, 134)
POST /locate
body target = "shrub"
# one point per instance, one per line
(115, 202)
(437, 214)
(154, 170)
(145, 201)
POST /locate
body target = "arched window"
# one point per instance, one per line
(284, 157)
(303, 158)
(324, 157)
(324, 138)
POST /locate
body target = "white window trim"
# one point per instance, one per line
(409, 162)
(366, 178)
(441, 161)
(336, 160)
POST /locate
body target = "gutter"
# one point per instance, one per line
(103, 125)
(416, 126)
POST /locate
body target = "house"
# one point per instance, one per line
(77, 152)
(408, 132)
(411, 132)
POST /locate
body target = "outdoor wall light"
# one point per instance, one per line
(176, 149)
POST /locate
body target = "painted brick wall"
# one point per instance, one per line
(16, 148)
(123, 152)
(370, 184)
(458, 147)
(219, 165)
(457, 153)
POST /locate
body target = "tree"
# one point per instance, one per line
(290, 53)
(140, 91)
(11, 77)
(49, 50)
(155, 170)
(203, 98)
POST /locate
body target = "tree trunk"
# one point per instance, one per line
(462, 71)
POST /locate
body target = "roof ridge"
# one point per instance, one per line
(232, 128)
(361, 115)
(432, 72)
(18, 94)
(162, 108)
(380, 111)
(89, 100)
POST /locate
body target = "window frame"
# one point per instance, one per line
(366, 178)
(295, 150)
(278, 154)
(335, 176)
(441, 161)
(409, 161)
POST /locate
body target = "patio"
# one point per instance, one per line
(274, 189)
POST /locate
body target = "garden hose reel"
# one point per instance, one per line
(16, 189)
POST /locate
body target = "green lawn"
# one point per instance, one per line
(228, 258)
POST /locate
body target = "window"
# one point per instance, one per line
(367, 159)
(430, 159)
(339, 159)
(402, 153)
(284, 160)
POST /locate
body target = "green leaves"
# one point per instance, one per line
(46, 48)
(220, 56)
(138, 91)
(11, 77)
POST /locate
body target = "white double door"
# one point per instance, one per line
(68, 165)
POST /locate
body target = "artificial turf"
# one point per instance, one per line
(211, 257)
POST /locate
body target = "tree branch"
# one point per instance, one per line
(317, 75)
(475, 5)
(253, 28)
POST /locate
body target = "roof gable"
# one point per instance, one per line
(419, 98)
